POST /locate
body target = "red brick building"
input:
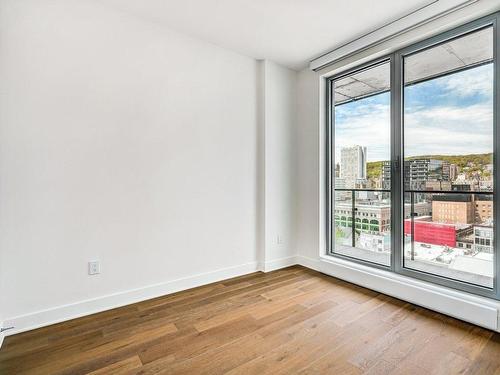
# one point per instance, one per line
(432, 233)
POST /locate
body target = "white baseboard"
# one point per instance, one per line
(474, 309)
(277, 264)
(481, 311)
(309, 262)
(75, 310)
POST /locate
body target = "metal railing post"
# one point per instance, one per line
(412, 209)
(353, 215)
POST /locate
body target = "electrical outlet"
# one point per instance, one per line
(94, 267)
(279, 239)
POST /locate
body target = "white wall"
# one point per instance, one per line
(308, 164)
(2, 300)
(278, 90)
(124, 142)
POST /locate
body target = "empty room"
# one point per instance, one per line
(254, 187)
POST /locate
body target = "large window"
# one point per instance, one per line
(362, 222)
(448, 148)
(412, 160)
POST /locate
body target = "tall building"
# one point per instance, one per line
(386, 175)
(453, 172)
(483, 208)
(453, 208)
(353, 166)
(483, 239)
(420, 173)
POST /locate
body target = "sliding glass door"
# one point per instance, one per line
(412, 162)
(362, 133)
(448, 158)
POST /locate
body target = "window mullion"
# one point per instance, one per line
(496, 159)
(396, 160)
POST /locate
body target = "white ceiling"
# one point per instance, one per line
(289, 32)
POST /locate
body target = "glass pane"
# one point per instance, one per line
(343, 219)
(448, 148)
(372, 225)
(448, 115)
(455, 240)
(362, 167)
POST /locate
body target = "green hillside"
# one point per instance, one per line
(374, 168)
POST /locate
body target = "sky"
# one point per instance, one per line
(450, 115)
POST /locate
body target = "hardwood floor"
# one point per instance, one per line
(291, 321)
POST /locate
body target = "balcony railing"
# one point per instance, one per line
(363, 226)
(359, 225)
(412, 214)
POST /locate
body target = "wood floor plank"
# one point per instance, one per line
(350, 340)
(119, 368)
(289, 321)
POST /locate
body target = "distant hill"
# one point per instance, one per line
(373, 168)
